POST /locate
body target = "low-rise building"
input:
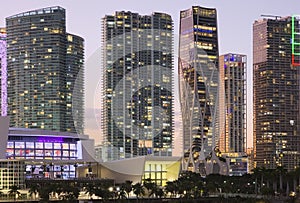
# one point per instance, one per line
(12, 173)
(157, 169)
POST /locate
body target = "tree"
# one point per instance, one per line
(259, 172)
(90, 189)
(150, 186)
(127, 187)
(282, 172)
(297, 172)
(45, 191)
(103, 192)
(171, 188)
(14, 191)
(274, 178)
(159, 192)
(34, 190)
(69, 192)
(138, 190)
(122, 193)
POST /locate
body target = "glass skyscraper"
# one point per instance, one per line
(137, 116)
(276, 92)
(45, 72)
(198, 86)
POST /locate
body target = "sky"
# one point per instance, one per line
(235, 19)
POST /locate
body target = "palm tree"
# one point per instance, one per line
(150, 186)
(274, 178)
(297, 174)
(68, 191)
(127, 187)
(90, 189)
(121, 194)
(14, 191)
(282, 172)
(138, 190)
(159, 192)
(103, 192)
(268, 176)
(34, 190)
(293, 175)
(259, 172)
(171, 188)
(46, 190)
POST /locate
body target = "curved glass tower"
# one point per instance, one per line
(198, 82)
(43, 64)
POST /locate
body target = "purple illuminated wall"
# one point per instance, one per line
(3, 74)
(50, 139)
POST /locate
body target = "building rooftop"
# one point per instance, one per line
(38, 11)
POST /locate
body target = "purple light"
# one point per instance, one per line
(3, 74)
(50, 139)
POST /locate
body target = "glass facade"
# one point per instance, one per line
(198, 84)
(137, 84)
(42, 66)
(276, 95)
(46, 148)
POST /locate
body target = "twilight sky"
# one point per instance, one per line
(235, 18)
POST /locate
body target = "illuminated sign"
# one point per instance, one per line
(295, 41)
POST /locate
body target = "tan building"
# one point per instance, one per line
(232, 103)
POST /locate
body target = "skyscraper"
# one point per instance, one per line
(42, 66)
(3, 66)
(233, 102)
(198, 85)
(137, 117)
(74, 94)
(276, 92)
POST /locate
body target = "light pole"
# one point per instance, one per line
(75, 166)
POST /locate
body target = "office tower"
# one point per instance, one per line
(198, 85)
(276, 92)
(233, 101)
(3, 66)
(43, 64)
(137, 117)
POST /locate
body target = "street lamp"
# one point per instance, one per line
(75, 166)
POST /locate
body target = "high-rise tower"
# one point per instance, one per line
(3, 66)
(137, 117)
(233, 103)
(198, 82)
(74, 83)
(276, 92)
(42, 67)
